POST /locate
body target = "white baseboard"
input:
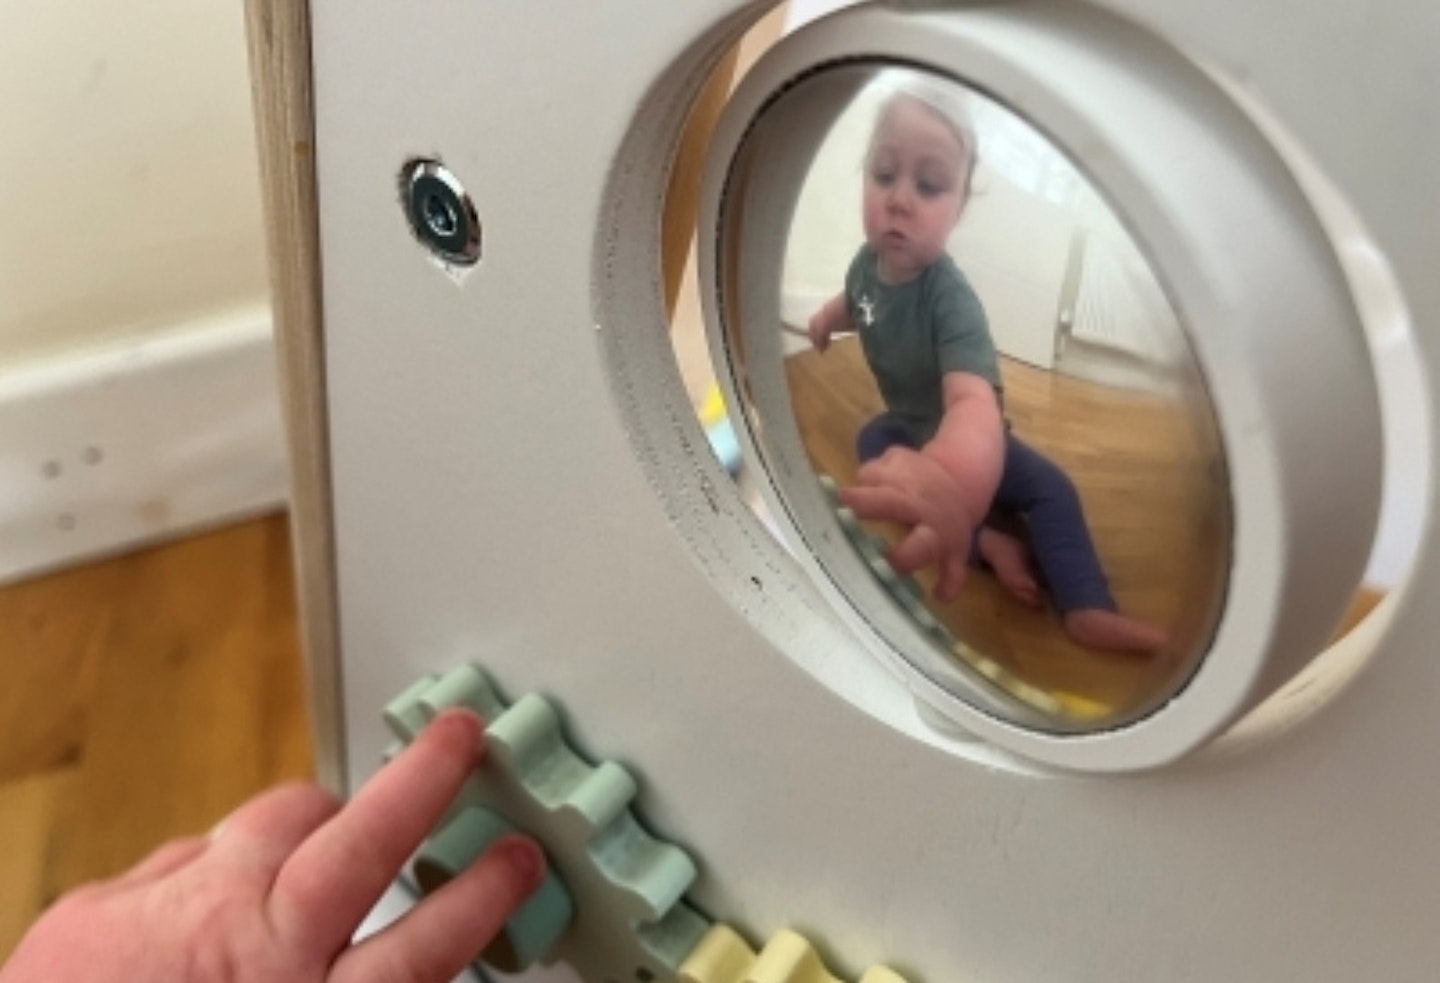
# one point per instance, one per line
(105, 450)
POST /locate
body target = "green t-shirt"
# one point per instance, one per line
(913, 333)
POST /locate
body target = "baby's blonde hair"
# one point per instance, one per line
(947, 100)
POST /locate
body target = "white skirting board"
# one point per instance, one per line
(105, 450)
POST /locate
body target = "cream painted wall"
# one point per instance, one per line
(129, 197)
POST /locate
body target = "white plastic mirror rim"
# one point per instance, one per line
(1250, 273)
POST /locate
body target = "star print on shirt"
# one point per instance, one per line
(867, 310)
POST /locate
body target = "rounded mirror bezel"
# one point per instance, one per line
(945, 654)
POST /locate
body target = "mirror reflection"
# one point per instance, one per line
(984, 367)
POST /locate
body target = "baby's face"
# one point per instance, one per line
(914, 189)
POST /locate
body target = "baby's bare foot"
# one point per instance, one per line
(1110, 631)
(1010, 560)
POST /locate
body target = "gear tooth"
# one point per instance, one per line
(789, 958)
(404, 715)
(830, 487)
(884, 572)
(527, 743)
(881, 974)
(463, 686)
(1038, 698)
(908, 594)
(905, 590)
(915, 608)
(603, 796)
(1080, 707)
(526, 735)
(870, 551)
(656, 874)
(721, 956)
(670, 940)
(912, 590)
(988, 668)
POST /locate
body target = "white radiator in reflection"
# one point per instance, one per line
(1120, 307)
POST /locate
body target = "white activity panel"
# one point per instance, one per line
(525, 507)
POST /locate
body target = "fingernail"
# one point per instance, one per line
(524, 857)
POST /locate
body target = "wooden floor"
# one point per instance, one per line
(1151, 478)
(143, 698)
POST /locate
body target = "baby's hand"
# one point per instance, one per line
(277, 891)
(910, 489)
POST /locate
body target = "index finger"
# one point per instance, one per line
(881, 502)
(333, 879)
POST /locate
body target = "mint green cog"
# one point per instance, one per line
(615, 910)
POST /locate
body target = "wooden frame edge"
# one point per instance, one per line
(278, 33)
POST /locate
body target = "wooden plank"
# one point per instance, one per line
(55, 630)
(198, 698)
(28, 808)
(154, 693)
(279, 40)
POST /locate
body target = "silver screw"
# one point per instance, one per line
(440, 212)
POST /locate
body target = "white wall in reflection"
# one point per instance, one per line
(1063, 284)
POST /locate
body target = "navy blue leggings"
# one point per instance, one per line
(1034, 488)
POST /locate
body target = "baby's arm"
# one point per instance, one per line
(834, 316)
(970, 444)
(943, 491)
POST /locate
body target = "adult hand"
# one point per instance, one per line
(911, 489)
(277, 891)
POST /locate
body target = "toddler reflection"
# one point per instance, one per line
(941, 460)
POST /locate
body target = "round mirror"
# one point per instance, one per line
(974, 400)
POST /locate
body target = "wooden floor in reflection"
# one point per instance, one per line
(1153, 487)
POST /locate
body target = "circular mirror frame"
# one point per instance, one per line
(1252, 275)
(784, 445)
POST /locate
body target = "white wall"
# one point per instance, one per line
(129, 197)
(137, 384)
(1012, 241)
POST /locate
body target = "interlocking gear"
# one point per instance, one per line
(724, 957)
(629, 924)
